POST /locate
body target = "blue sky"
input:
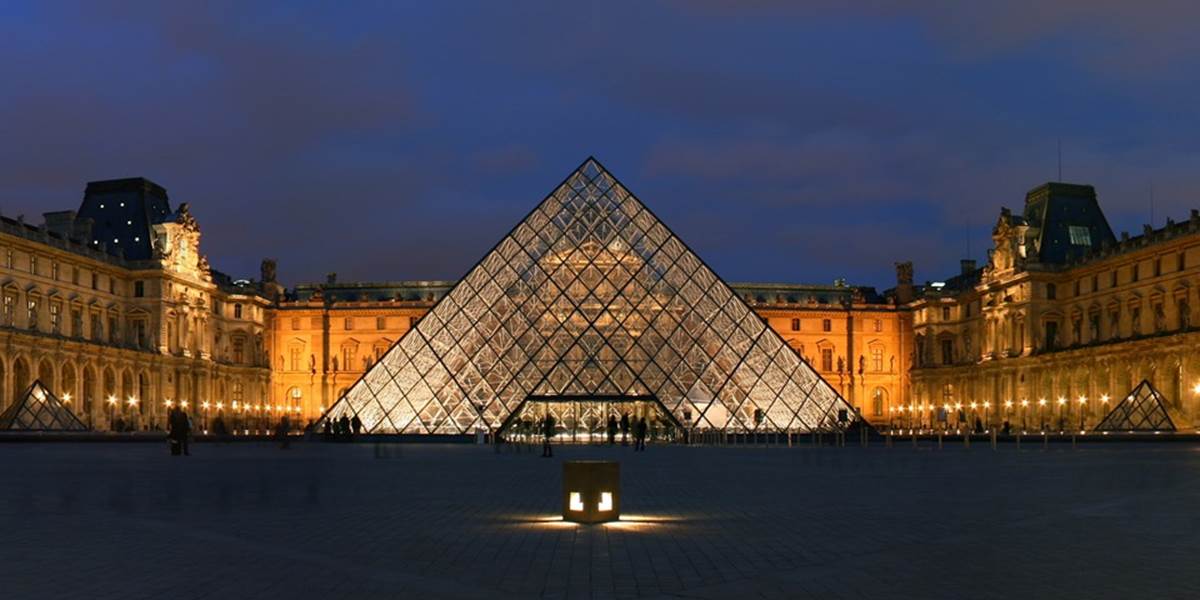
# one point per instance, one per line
(792, 142)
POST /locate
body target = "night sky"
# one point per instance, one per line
(789, 144)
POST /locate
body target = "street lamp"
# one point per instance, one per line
(1042, 414)
(1062, 410)
(1082, 405)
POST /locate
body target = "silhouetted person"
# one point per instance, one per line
(547, 435)
(356, 424)
(344, 426)
(640, 435)
(978, 425)
(612, 430)
(327, 430)
(219, 427)
(1006, 427)
(281, 432)
(624, 429)
(181, 428)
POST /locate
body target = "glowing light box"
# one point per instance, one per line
(591, 491)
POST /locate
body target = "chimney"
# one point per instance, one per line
(60, 222)
(966, 266)
(904, 282)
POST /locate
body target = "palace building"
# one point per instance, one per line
(1064, 320)
(115, 309)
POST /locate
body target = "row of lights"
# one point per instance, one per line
(1007, 404)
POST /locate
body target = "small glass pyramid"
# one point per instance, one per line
(1143, 410)
(591, 296)
(40, 410)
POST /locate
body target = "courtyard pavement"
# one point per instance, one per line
(430, 521)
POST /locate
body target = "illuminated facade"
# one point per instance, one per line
(1064, 320)
(588, 309)
(114, 309)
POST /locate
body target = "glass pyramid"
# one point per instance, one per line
(39, 410)
(1144, 409)
(591, 296)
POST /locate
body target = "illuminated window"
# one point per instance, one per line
(32, 306)
(1080, 236)
(33, 264)
(380, 322)
(795, 324)
(348, 323)
(826, 359)
(878, 325)
(877, 358)
(294, 358)
(55, 316)
(54, 270)
(10, 304)
(877, 402)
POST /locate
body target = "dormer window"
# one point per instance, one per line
(1080, 236)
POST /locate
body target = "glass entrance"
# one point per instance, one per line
(584, 419)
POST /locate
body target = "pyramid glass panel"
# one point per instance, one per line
(40, 410)
(591, 299)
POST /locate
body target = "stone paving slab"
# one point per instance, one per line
(454, 521)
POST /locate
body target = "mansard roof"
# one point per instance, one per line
(1066, 222)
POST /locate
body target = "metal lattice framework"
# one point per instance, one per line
(1144, 409)
(591, 296)
(39, 410)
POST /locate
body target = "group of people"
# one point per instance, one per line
(344, 428)
(639, 426)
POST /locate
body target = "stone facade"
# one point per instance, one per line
(1063, 320)
(119, 338)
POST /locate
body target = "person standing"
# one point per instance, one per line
(624, 429)
(356, 425)
(640, 435)
(612, 430)
(344, 426)
(547, 435)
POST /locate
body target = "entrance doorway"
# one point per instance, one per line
(584, 419)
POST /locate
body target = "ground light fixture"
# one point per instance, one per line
(591, 491)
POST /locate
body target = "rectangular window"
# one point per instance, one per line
(315, 322)
(295, 323)
(348, 358)
(237, 311)
(54, 270)
(348, 323)
(95, 282)
(139, 289)
(945, 313)
(8, 258)
(878, 325)
(1051, 334)
(1180, 262)
(795, 324)
(76, 322)
(55, 316)
(380, 322)
(32, 307)
(1137, 271)
(1080, 236)
(826, 359)
(826, 325)
(10, 309)
(33, 266)
(1112, 279)
(75, 275)
(947, 352)
(139, 333)
(113, 331)
(1077, 288)
(97, 327)
(1051, 291)
(1095, 284)
(216, 307)
(877, 358)
(239, 351)
(1158, 266)
(294, 359)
